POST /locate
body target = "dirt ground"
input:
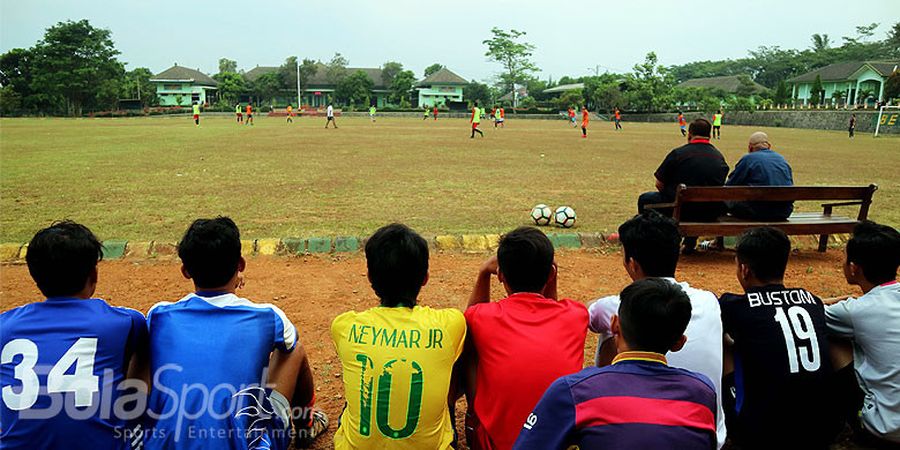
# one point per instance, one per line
(313, 290)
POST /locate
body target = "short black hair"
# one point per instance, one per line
(700, 127)
(525, 257)
(211, 251)
(875, 248)
(397, 259)
(653, 240)
(765, 250)
(653, 314)
(61, 258)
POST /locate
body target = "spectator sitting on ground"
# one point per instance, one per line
(761, 166)
(698, 163)
(871, 322)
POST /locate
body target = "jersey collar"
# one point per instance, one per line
(640, 356)
(699, 141)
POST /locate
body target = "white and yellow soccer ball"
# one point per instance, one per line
(564, 217)
(541, 214)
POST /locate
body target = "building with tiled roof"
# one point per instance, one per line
(182, 86)
(441, 87)
(850, 79)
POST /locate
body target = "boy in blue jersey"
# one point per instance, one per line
(638, 401)
(65, 359)
(228, 373)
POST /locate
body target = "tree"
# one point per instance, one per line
(231, 86)
(137, 86)
(336, 69)
(837, 97)
(745, 88)
(479, 92)
(782, 94)
(354, 89)
(649, 87)
(227, 65)
(515, 56)
(308, 69)
(817, 92)
(401, 85)
(266, 86)
(390, 70)
(820, 42)
(893, 39)
(892, 86)
(573, 98)
(16, 77)
(287, 74)
(433, 69)
(77, 63)
(863, 33)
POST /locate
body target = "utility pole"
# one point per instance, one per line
(596, 70)
(298, 85)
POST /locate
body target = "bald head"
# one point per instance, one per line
(758, 141)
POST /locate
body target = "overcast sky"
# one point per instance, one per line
(570, 36)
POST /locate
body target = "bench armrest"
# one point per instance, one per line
(829, 205)
(660, 205)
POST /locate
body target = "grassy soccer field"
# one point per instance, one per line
(147, 178)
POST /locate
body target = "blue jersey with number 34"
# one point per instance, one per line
(63, 360)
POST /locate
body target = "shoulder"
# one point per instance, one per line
(699, 381)
(696, 295)
(729, 298)
(573, 306)
(605, 304)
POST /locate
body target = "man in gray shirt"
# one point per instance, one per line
(872, 323)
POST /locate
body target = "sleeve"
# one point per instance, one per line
(456, 327)
(552, 423)
(285, 332)
(663, 173)
(839, 318)
(739, 176)
(139, 336)
(726, 303)
(600, 316)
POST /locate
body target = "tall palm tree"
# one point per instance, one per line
(820, 42)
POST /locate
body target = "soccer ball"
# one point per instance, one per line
(540, 214)
(564, 217)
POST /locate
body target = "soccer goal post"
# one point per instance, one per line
(888, 116)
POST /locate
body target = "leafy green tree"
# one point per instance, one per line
(892, 86)
(231, 86)
(266, 87)
(479, 92)
(401, 86)
(227, 65)
(782, 94)
(77, 62)
(10, 100)
(433, 69)
(354, 89)
(136, 85)
(893, 40)
(336, 69)
(389, 70)
(650, 85)
(506, 48)
(308, 69)
(745, 88)
(817, 92)
(287, 74)
(16, 76)
(820, 42)
(838, 97)
(573, 98)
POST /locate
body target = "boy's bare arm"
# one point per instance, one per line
(481, 293)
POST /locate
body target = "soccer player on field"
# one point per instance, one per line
(372, 112)
(518, 345)
(290, 114)
(780, 348)
(434, 112)
(425, 114)
(72, 351)
(572, 117)
(498, 117)
(617, 116)
(397, 351)
(585, 120)
(229, 372)
(871, 323)
(651, 244)
(639, 402)
(682, 123)
(196, 109)
(852, 125)
(329, 116)
(238, 113)
(249, 120)
(476, 120)
(717, 125)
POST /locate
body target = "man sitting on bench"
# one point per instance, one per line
(761, 166)
(698, 163)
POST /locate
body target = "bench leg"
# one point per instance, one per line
(823, 243)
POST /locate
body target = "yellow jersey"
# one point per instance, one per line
(397, 364)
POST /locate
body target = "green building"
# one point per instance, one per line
(856, 83)
(441, 87)
(181, 86)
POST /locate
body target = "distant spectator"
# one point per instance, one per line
(780, 349)
(872, 324)
(761, 166)
(651, 245)
(698, 163)
(638, 402)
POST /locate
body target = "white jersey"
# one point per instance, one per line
(703, 351)
(330, 111)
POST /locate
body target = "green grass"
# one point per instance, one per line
(147, 178)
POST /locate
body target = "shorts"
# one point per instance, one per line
(239, 114)
(716, 127)
(263, 416)
(683, 126)
(475, 125)
(249, 115)
(330, 118)
(196, 116)
(500, 120)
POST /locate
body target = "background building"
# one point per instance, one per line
(181, 86)
(440, 88)
(855, 83)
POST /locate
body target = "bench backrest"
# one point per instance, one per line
(697, 194)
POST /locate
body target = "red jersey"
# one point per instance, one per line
(681, 120)
(618, 116)
(502, 113)
(524, 343)
(585, 117)
(435, 112)
(571, 112)
(249, 109)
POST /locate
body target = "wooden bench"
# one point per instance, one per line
(823, 224)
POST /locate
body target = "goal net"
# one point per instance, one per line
(888, 121)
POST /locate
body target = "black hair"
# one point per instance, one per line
(653, 314)
(525, 257)
(765, 250)
(653, 240)
(397, 259)
(700, 128)
(874, 248)
(61, 258)
(211, 251)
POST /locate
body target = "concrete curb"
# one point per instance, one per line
(466, 243)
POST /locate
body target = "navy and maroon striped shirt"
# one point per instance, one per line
(637, 402)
